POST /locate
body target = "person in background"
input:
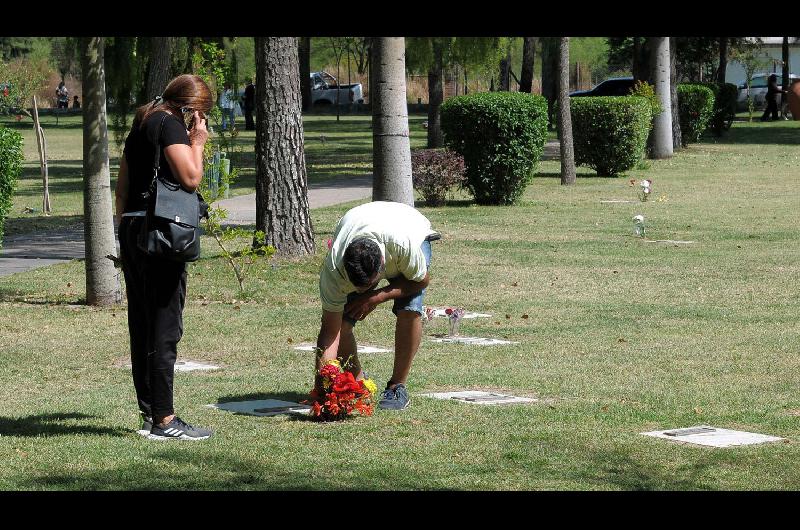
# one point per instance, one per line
(227, 102)
(249, 105)
(771, 112)
(75, 103)
(62, 96)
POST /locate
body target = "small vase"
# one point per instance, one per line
(454, 323)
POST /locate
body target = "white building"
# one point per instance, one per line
(772, 53)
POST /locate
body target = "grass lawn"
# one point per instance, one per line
(617, 335)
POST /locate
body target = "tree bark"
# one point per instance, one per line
(304, 50)
(550, 74)
(528, 59)
(391, 148)
(282, 211)
(673, 90)
(158, 74)
(785, 71)
(505, 77)
(564, 118)
(435, 97)
(660, 74)
(102, 279)
(723, 59)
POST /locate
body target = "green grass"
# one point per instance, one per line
(619, 336)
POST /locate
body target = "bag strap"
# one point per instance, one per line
(156, 161)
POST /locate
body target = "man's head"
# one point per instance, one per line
(773, 78)
(363, 263)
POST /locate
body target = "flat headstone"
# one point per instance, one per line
(188, 366)
(440, 312)
(262, 407)
(675, 241)
(479, 397)
(473, 341)
(361, 349)
(617, 201)
(712, 436)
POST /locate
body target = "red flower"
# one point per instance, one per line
(316, 408)
(330, 371)
(448, 311)
(345, 382)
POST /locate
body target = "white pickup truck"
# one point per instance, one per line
(324, 89)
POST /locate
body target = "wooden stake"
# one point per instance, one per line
(42, 148)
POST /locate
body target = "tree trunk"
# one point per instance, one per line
(673, 82)
(637, 54)
(643, 67)
(305, 71)
(528, 59)
(550, 74)
(191, 43)
(564, 118)
(662, 124)
(282, 211)
(785, 72)
(102, 279)
(158, 74)
(435, 97)
(723, 59)
(391, 149)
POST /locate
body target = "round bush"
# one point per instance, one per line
(610, 133)
(725, 95)
(695, 110)
(11, 158)
(501, 136)
(435, 172)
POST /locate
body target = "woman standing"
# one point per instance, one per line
(156, 288)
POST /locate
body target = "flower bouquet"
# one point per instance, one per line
(341, 394)
(454, 314)
(638, 225)
(646, 187)
(429, 315)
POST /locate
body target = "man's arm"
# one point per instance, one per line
(328, 339)
(399, 287)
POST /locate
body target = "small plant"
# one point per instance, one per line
(435, 172)
(645, 187)
(11, 159)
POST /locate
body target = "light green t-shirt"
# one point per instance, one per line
(398, 229)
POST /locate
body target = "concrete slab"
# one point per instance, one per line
(440, 312)
(262, 407)
(479, 397)
(712, 436)
(361, 348)
(473, 341)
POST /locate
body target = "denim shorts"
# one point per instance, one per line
(411, 303)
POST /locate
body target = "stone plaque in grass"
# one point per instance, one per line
(186, 366)
(479, 397)
(361, 348)
(262, 407)
(712, 436)
(473, 341)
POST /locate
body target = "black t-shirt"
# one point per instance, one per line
(140, 151)
(250, 95)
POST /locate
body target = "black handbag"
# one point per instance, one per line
(171, 227)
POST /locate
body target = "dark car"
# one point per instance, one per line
(617, 86)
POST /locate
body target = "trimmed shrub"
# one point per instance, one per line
(695, 110)
(435, 172)
(609, 133)
(501, 136)
(10, 166)
(647, 91)
(725, 95)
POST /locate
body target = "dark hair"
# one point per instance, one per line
(362, 259)
(184, 91)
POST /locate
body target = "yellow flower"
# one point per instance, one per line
(371, 386)
(334, 362)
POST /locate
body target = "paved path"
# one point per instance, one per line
(23, 252)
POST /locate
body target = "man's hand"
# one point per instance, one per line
(364, 304)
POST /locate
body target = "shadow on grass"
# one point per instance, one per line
(52, 425)
(580, 175)
(776, 132)
(219, 470)
(294, 397)
(38, 223)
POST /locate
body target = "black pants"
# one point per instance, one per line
(249, 124)
(772, 108)
(156, 291)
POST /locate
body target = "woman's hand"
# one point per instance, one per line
(198, 134)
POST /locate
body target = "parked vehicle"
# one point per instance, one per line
(616, 86)
(758, 87)
(325, 87)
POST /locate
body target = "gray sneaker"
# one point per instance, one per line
(394, 398)
(178, 429)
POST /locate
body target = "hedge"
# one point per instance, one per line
(501, 136)
(695, 110)
(11, 158)
(610, 132)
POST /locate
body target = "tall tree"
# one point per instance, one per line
(528, 58)
(550, 73)
(390, 143)
(102, 279)
(673, 90)
(662, 123)
(160, 63)
(723, 59)
(282, 211)
(564, 118)
(436, 95)
(304, 50)
(785, 64)
(505, 72)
